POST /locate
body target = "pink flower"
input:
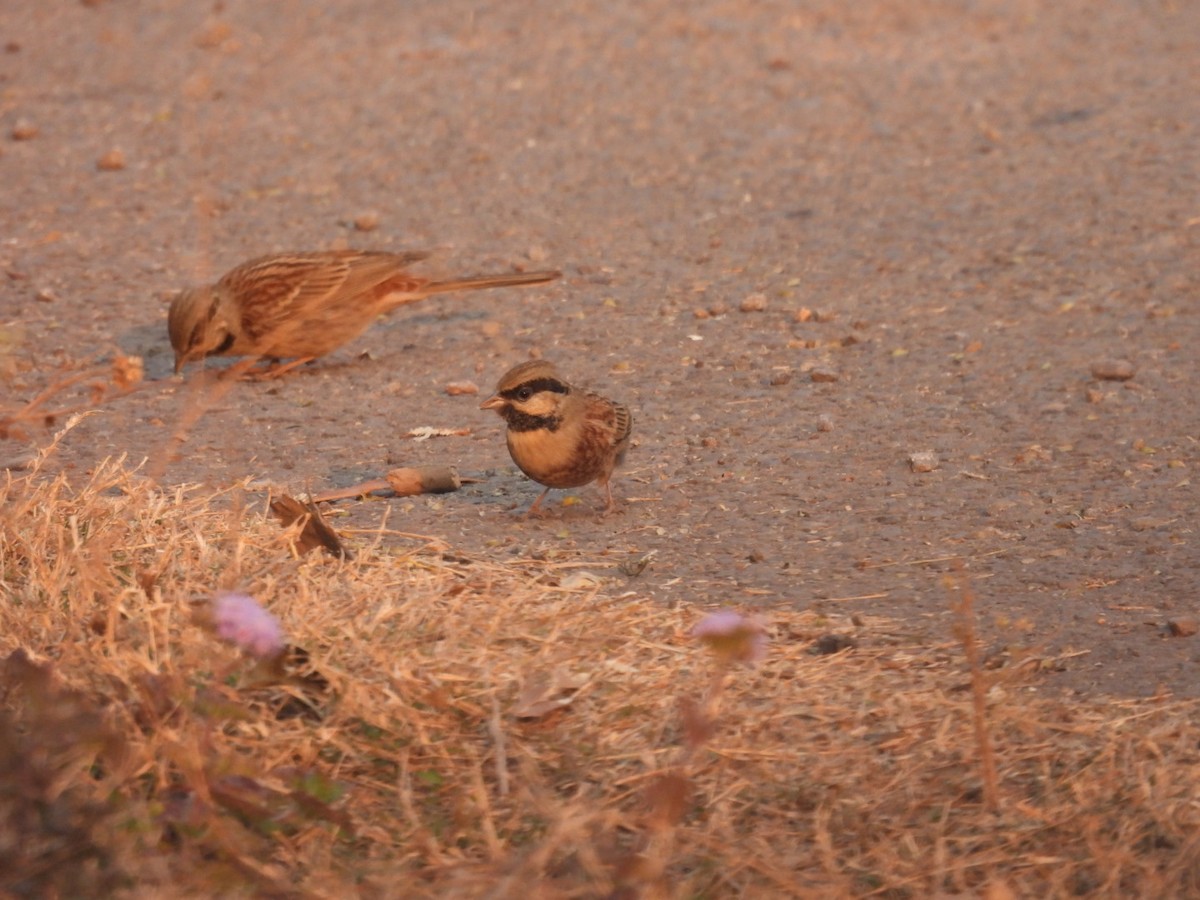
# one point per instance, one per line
(732, 636)
(239, 619)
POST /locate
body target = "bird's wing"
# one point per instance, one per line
(275, 291)
(367, 271)
(622, 423)
(613, 416)
(271, 289)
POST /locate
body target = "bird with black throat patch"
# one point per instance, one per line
(299, 306)
(559, 435)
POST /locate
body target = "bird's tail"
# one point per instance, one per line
(479, 282)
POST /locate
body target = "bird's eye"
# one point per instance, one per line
(524, 392)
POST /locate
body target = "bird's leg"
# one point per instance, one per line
(274, 368)
(535, 510)
(611, 505)
(242, 370)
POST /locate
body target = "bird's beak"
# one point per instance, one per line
(492, 402)
(183, 357)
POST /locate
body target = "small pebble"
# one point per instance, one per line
(753, 303)
(458, 388)
(780, 378)
(825, 422)
(828, 644)
(718, 309)
(701, 313)
(214, 35)
(537, 253)
(1184, 626)
(923, 461)
(367, 221)
(24, 130)
(803, 314)
(45, 295)
(1149, 523)
(1113, 370)
(127, 371)
(112, 161)
(823, 376)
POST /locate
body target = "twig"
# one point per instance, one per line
(124, 374)
(933, 559)
(964, 611)
(403, 482)
(496, 730)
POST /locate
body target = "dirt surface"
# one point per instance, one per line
(952, 210)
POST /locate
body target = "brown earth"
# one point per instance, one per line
(954, 209)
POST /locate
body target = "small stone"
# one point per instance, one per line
(701, 313)
(923, 461)
(753, 303)
(803, 314)
(127, 371)
(635, 567)
(366, 221)
(537, 253)
(1183, 626)
(829, 644)
(1150, 523)
(45, 295)
(825, 422)
(214, 35)
(24, 130)
(718, 308)
(1113, 370)
(112, 161)
(459, 388)
(778, 379)
(823, 376)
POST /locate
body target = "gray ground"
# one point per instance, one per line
(978, 200)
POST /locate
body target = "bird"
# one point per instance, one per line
(559, 435)
(300, 306)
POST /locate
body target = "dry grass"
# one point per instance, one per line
(141, 755)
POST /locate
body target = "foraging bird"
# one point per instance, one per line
(303, 305)
(559, 435)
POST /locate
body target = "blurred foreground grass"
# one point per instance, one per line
(452, 727)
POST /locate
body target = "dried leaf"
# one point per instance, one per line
(544, 692)
(314, 533)
(425, 432)
(668, 797)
